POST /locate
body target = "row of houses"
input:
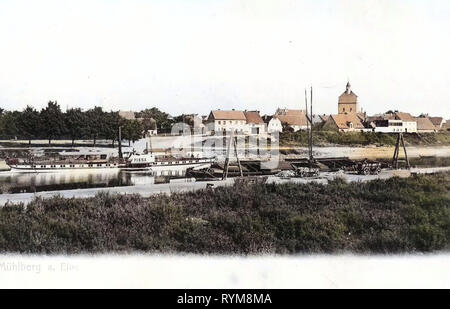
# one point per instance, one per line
(295, 120)
(251, 122)
(392, 122)
(349, 118)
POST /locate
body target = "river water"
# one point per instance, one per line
(11, 182)
(14, 182)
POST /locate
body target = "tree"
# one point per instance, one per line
(28, 123)
(163, 120)
(96, 122)
(132, 130)
(111, 126)
(75, 123)
(52, 121)
(148, 124)
(8, 124)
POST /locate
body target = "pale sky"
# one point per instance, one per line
(191, 56)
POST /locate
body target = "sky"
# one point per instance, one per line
(197, 55)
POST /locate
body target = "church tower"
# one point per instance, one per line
(348, 101)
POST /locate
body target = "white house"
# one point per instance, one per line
(273, 124)
(388, 125)
(225, 121)
(255, 124)
(393, 123)
(408, 121)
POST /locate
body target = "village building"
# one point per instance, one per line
(128, 115)
(392, 122)
(424, 125)
(409, 123)
(255, 124)
(344, 123)
(446, 125)
(226, 121)
(370, 121)
(348, 101)
(150, 127)
(273, 124)
(438, 122)
(348, 118)
(295, 119)
(195, 122)
(149, 124)
(324, 117)
(388, 125)
(318, 119)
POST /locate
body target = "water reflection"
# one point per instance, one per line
(75, 179)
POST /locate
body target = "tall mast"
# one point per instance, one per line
(311, 128)
(119, 140)
(306, 111)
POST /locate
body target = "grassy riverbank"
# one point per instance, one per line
(383, 216)
(326, 138)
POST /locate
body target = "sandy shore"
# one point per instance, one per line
(380, 152)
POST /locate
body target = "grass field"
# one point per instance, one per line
(382, 216)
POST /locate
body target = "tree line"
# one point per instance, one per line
(51, 123)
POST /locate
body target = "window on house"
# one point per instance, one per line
(343, 109)
(350, 109)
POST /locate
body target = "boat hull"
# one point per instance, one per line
(171, 169)
(51, 168)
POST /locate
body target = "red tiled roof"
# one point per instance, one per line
(294, 117)
(253, 117)
(424, 123)
(324, 117)
(404, 116)
(348, 97)
(227, 115)
(343, 121)
(437, 121)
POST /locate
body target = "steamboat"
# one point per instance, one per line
(67, 160)
(166, 165)
(91, 160)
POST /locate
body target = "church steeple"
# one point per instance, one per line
(348, 88)
(348, 101)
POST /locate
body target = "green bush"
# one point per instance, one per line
(381, 216)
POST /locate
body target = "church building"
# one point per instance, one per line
(348, 101)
